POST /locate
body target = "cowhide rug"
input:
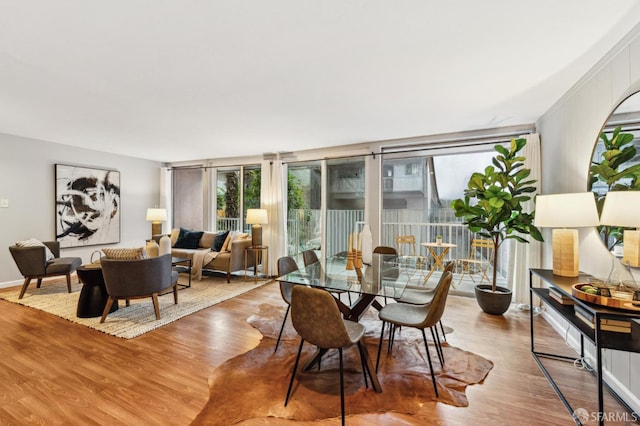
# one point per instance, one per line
(253, 385)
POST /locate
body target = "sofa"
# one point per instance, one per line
(213, 251)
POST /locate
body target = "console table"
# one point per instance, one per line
(628, 342)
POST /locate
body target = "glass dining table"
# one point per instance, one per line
(385, 277)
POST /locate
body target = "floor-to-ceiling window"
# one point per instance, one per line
(417, 190)
(304, 197)
(237, 189)
(345, 184)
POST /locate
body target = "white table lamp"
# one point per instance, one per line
(257, 218)
(156, 217)
(622, 208)
(565, 212)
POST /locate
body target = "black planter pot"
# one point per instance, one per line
(493, 303)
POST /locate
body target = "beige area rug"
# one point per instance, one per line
(139, 318)
(254, 385)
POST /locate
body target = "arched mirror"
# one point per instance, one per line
(615, 162)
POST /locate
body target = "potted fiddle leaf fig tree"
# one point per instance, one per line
(492, 208)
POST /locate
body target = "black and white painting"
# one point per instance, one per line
(87, 206)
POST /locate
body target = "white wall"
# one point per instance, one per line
(27, 174)
(568, 134)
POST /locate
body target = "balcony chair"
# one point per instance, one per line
(286, 264)
(318, 320)
(32, 263)
(137, 279)
(479, 260)
(420, 317)
(409, 240)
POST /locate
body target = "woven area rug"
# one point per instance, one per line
(139, 318)
(253, 385)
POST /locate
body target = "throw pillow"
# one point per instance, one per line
(218, 242)
(227, 241)
(175, 233)
(125, 253)
(237, 236)
(33, 242)
(188, 239)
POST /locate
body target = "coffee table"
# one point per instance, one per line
(93, 296)
(180, 261)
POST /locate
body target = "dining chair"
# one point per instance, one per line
(420, 317)
(385, 250)
(317, 319)
(419, 295)
(286, 264)
(309, 257)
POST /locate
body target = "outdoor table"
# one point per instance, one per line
(438, 251)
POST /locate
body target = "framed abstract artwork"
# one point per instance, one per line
(87, 206)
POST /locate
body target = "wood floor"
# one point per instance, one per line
(54, 372)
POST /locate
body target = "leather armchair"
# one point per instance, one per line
(137, 279)
(32, 263)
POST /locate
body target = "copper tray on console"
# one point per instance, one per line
(614, 301)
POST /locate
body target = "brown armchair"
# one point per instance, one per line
(137, 279)
(32, 263)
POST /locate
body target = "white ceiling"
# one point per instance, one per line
(175, 80)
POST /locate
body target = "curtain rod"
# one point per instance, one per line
(437, 145)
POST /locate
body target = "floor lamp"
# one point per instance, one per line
(564, 212)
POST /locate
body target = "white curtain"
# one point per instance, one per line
(166, 176)
(272, 198)
(525, 256)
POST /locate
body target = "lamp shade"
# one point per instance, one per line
(575, 210)
(621, 208)
(257, 217)
(566, 211)
(156, 215)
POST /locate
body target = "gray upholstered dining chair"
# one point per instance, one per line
(317, 319)
(309, 257)
(137, 279)
(420, 317)
(420, 295)
(286, 264)
(32, 263)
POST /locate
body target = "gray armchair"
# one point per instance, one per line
(137, 279)
(32, 263)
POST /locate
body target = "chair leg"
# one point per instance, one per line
(69, 282)
(175, 293)
(436, 341)
(433, 376)
(380, 346)
(362, 363)
(286, 314)
(439, 345)
(107, 308)
(444, 335)
(293, 373)
(25, 284)
(341, 386)
(39, 283)
(156, 307)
